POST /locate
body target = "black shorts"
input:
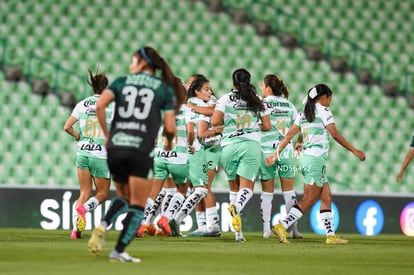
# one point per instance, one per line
(125, 163)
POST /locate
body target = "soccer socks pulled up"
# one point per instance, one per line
(169, 193)
(201, 221)
(175, 204)
(131, 224)
(290, 199)
(190, 203)
(212, 219)
(118, 206)
(243, 197)
(326, 217)
(232, 197)
(91, 204)
(293, 215)
(266, 209)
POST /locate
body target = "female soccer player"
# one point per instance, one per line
(92, 167)
(206, 211)
(198, 94)
(140, 98)
(242, 113)
(282, 114)
(316, 123)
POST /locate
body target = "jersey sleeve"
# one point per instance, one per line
(327, 116)
(190, 116)
(76, 110)
(212, 101)
(412, 143)
(298, 119)
(221, 104)
(204, 118)
(295, 112)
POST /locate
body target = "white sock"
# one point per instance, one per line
(74, 217)
(175, 205)
(201, 220)
(190, 203)
(148, 209)
(290, 199)
(91, 204)
(266, 209)
(169, 193)
(232, 197)
(212, 219)
(327, 220)
(293, 215)
(243, 197)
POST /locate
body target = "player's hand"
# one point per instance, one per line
(271, 159)
(298, 146)
(168, 145)
(219, 129)
(76, 135)
(400, 176)
(360, 154)
(191, 150)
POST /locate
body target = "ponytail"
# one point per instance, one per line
(313, 94)
(276, 84)
(246, 91)
(155, 61)
(98, 82)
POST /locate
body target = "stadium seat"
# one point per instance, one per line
(208, 43)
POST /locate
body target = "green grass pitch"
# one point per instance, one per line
(35, 251)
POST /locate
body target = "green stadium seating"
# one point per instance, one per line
(78, 36)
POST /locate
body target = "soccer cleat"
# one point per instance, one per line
(235, 218)
(195, 233)
(335, 240)
(146, 229)
(267, 234)
(164, 225)
(294, 234)
(280, 232)
(215, 233)
(175, 229)
(241, 240)
(159, 233)
(75, 235)
(97, 240)
(115, 256)
(142, 230)
(239, 237)
(81, 222)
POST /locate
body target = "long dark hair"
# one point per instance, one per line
(246, 90)
(313, 94)
(98, 82)
(276, 85)
(196, 84)
(155, 61)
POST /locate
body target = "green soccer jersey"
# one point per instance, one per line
(315, 135)
(282, 114)
(92, 139)
(139, 100)
(178, 153)
(195, 118)
(240, 123)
